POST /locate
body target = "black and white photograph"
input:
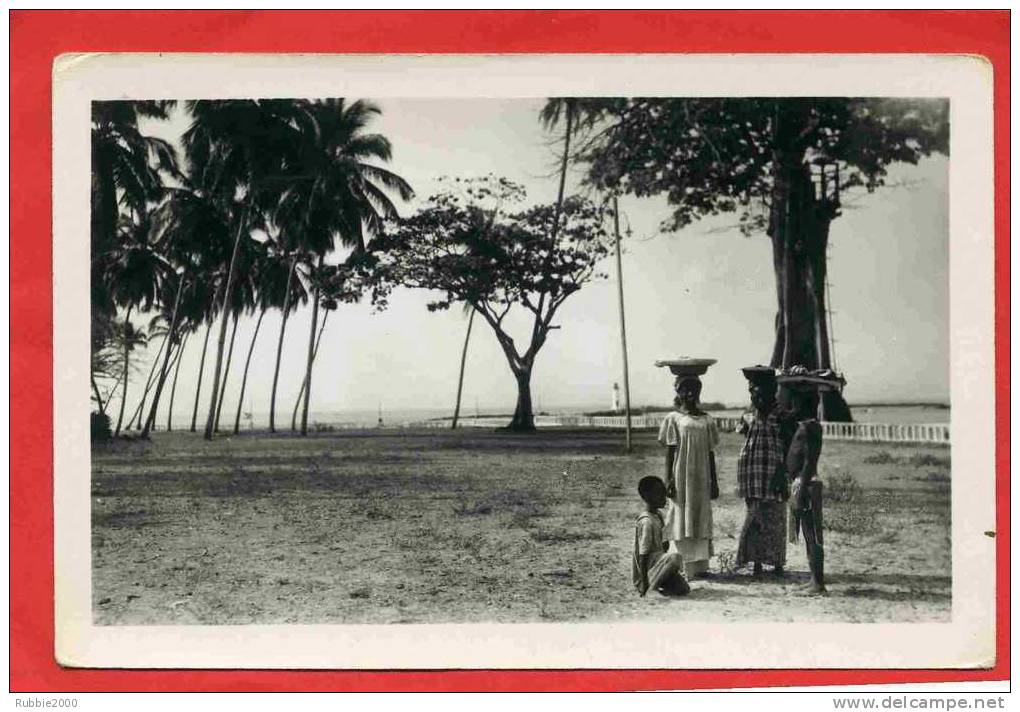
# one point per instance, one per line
(591, 357)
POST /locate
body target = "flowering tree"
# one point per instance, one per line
(475, 243)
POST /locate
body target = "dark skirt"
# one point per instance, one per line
(763, 536)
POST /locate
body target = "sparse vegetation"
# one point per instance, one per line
(469, 526)
(99, 430)
(927, 459)
(841, 487)
(727, 562)
(882, 457)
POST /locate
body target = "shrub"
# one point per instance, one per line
(928, 460)
(882, 457)
(842, 487)
(727, 561)
(100, 427)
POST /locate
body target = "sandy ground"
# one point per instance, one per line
(471, 526)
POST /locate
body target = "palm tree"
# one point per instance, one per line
(173, 388)
(337, 194)
(293, 291)
(243, 300)
(201, 369)
(136, 273)
(127, 339)
(241, 147)
(105, 357)
(157, 327)
(181, 222)
(195, 227)
(275, 282)
(176, 284)
(128, 170)
(328, 305)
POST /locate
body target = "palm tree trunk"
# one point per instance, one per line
(563, 167)
(173, 388)
(226, 372)
(244, 379)
(99, 397)
(311, 355)
(304, 381)
(201, 368)
(175, 352)
(279, 347)
(140, 408)
(164, 369)
(221, 342)
(460, 380)
(127, 353)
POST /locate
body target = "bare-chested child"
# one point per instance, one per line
(654, 568)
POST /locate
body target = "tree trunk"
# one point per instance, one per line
(460, 379)
(311, 356)
(99, 397)
(226, 372)
(140, 408)
(127, 354)
(279, 347)
(150, 418)
(221, 341)
(244, 378)
(201, 368)
(173, 388)
(799, 232)
(524, 417)
(164, 370)
(304, 382)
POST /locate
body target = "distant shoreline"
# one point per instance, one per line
(710, 407)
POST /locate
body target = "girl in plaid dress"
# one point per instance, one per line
(761, 477)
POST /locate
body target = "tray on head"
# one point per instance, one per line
(686, 366)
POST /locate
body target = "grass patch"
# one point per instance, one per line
(853, 520)
(842, 487)
(473, 510)
(927, 459)
(523, 506)
(564, 536)
(937, 477)
(882, 457)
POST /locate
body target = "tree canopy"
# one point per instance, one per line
(719, 155)
(477, 243)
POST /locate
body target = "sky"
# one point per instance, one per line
(705, 291)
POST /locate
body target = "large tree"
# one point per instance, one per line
(474, 244)
(781, 164)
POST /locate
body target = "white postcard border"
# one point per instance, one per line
(967, 641)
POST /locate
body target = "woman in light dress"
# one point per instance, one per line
(691, 437)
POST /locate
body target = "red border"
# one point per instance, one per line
(39, 36)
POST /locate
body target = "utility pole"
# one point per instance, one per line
(623, 323)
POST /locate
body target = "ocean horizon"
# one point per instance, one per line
(360, 417)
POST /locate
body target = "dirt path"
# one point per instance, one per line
(398, 527)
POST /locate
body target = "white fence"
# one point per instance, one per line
(938, 433)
